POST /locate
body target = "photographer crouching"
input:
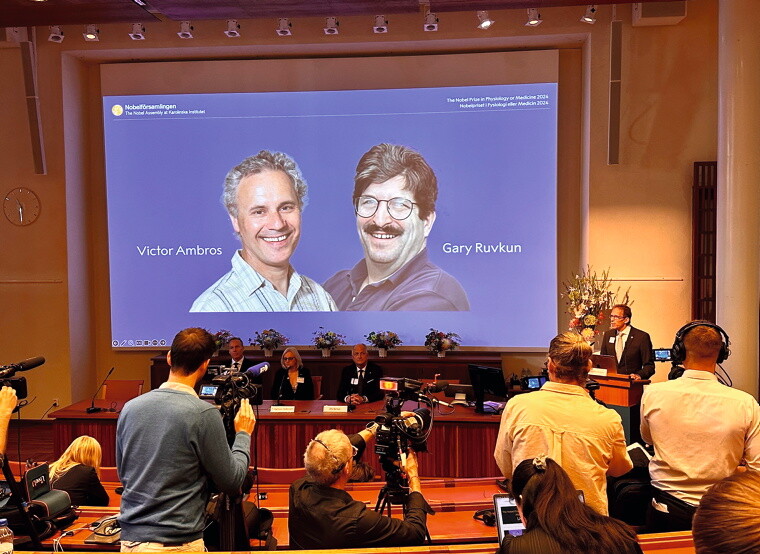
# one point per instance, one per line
(323, 515)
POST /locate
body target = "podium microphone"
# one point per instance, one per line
(94, 409)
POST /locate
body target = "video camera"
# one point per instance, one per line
(229, 388)
(396, 434)
(18, 384)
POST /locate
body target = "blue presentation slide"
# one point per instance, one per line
(490, 270)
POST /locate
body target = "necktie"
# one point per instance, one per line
(235, 366)
(619, 345)
(360, 386)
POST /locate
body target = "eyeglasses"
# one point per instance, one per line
(617, 317)
(288, 358)
(398, 208)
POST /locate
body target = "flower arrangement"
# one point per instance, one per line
(588, 296)
(269, 339)
(438, 341)
(328, 339)
(383, 339)
(221, 338)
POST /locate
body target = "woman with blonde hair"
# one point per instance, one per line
(293, 381)
(77, 472)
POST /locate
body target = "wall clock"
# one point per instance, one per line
(21, 206)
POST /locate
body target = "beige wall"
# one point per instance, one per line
(54, 275)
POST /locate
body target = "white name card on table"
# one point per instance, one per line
(282, 409)
(335, 409)
(598, 371)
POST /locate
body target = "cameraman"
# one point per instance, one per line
(323, 515)
(169, 445)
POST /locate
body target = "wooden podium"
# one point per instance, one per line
(618, 389)
(622, 395)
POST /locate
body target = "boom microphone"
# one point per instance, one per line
(25, 365)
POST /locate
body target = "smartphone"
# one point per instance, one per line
(507, 517)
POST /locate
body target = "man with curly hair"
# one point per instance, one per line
(265, 196)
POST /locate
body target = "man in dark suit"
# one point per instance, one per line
(631, 347)
(239, 362)
(360, 381)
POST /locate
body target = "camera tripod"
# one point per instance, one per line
(395, 491)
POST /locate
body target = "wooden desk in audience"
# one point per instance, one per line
(460, 444)
(454, 500)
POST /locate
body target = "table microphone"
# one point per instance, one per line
(94, 409)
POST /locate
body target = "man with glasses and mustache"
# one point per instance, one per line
(631, 347)
(322, 514)
(265, 196)
(395, 191)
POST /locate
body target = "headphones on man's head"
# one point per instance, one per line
(678, 352)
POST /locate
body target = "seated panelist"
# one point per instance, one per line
(293, 381)
(360, 381)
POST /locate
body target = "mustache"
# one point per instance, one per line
(389, 228)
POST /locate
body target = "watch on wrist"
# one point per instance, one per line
(372, 427)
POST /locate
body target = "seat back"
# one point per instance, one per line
(281, 476)
(122, 389)
(317, 380)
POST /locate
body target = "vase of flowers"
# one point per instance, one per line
(439, 342)
(383, 341)
(268, 340)
(221, 338)
(588, 296)
(327, 341)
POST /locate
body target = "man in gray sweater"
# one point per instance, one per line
(169, 445)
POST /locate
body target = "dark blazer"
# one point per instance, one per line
(83, 486)
(281, 388)
(637, 354)
(325, 517)
(259, 379)
(371, 389)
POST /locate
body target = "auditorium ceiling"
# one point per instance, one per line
(21, 13)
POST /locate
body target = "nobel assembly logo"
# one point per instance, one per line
(117, 110)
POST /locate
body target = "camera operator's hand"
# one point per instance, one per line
(7, 402)
(411, 470)
(245, 420)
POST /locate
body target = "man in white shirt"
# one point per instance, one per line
(631, 347)
(236, 349)
(701, 430)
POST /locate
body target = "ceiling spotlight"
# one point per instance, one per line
(534, 18)
(331, 25)
(484, 22)
(56, 33)
(138, 32)
(431, 22)
(590, 15)
(233, 29)
(185, 30)
(91, 33)
(284, 28)
(381, 25)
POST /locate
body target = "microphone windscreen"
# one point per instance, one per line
(31, 363)
(258, 369)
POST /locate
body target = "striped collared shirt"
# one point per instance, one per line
(243, 289)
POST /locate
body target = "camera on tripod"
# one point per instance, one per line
(395, 434)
